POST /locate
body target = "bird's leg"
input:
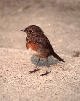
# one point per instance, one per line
(36, 69)
(47, 72)
(47, 63)
(37, 63)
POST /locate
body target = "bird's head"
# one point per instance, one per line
(33, 30)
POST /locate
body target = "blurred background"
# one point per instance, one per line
(59, 19)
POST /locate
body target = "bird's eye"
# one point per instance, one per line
(30, 31)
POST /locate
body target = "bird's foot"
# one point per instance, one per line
(33, 71)
(46, 73)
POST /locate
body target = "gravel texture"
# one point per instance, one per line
(60, 21)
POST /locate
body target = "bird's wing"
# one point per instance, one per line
(43, 41)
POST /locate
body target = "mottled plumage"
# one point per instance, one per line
(37, 41)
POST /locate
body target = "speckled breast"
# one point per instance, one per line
(37, 50)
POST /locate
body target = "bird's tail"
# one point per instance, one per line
(57, 56)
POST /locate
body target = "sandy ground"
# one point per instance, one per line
(60, 20)
(16, 84)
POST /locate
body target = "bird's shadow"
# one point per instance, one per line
(44, 62)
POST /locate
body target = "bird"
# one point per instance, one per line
(37, 41)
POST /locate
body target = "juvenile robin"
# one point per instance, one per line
(38, 42)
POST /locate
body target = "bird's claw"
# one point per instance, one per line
(46, 73)
(33, 71)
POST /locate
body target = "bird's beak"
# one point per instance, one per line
(22, 30)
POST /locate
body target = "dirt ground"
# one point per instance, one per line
(60, 21)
